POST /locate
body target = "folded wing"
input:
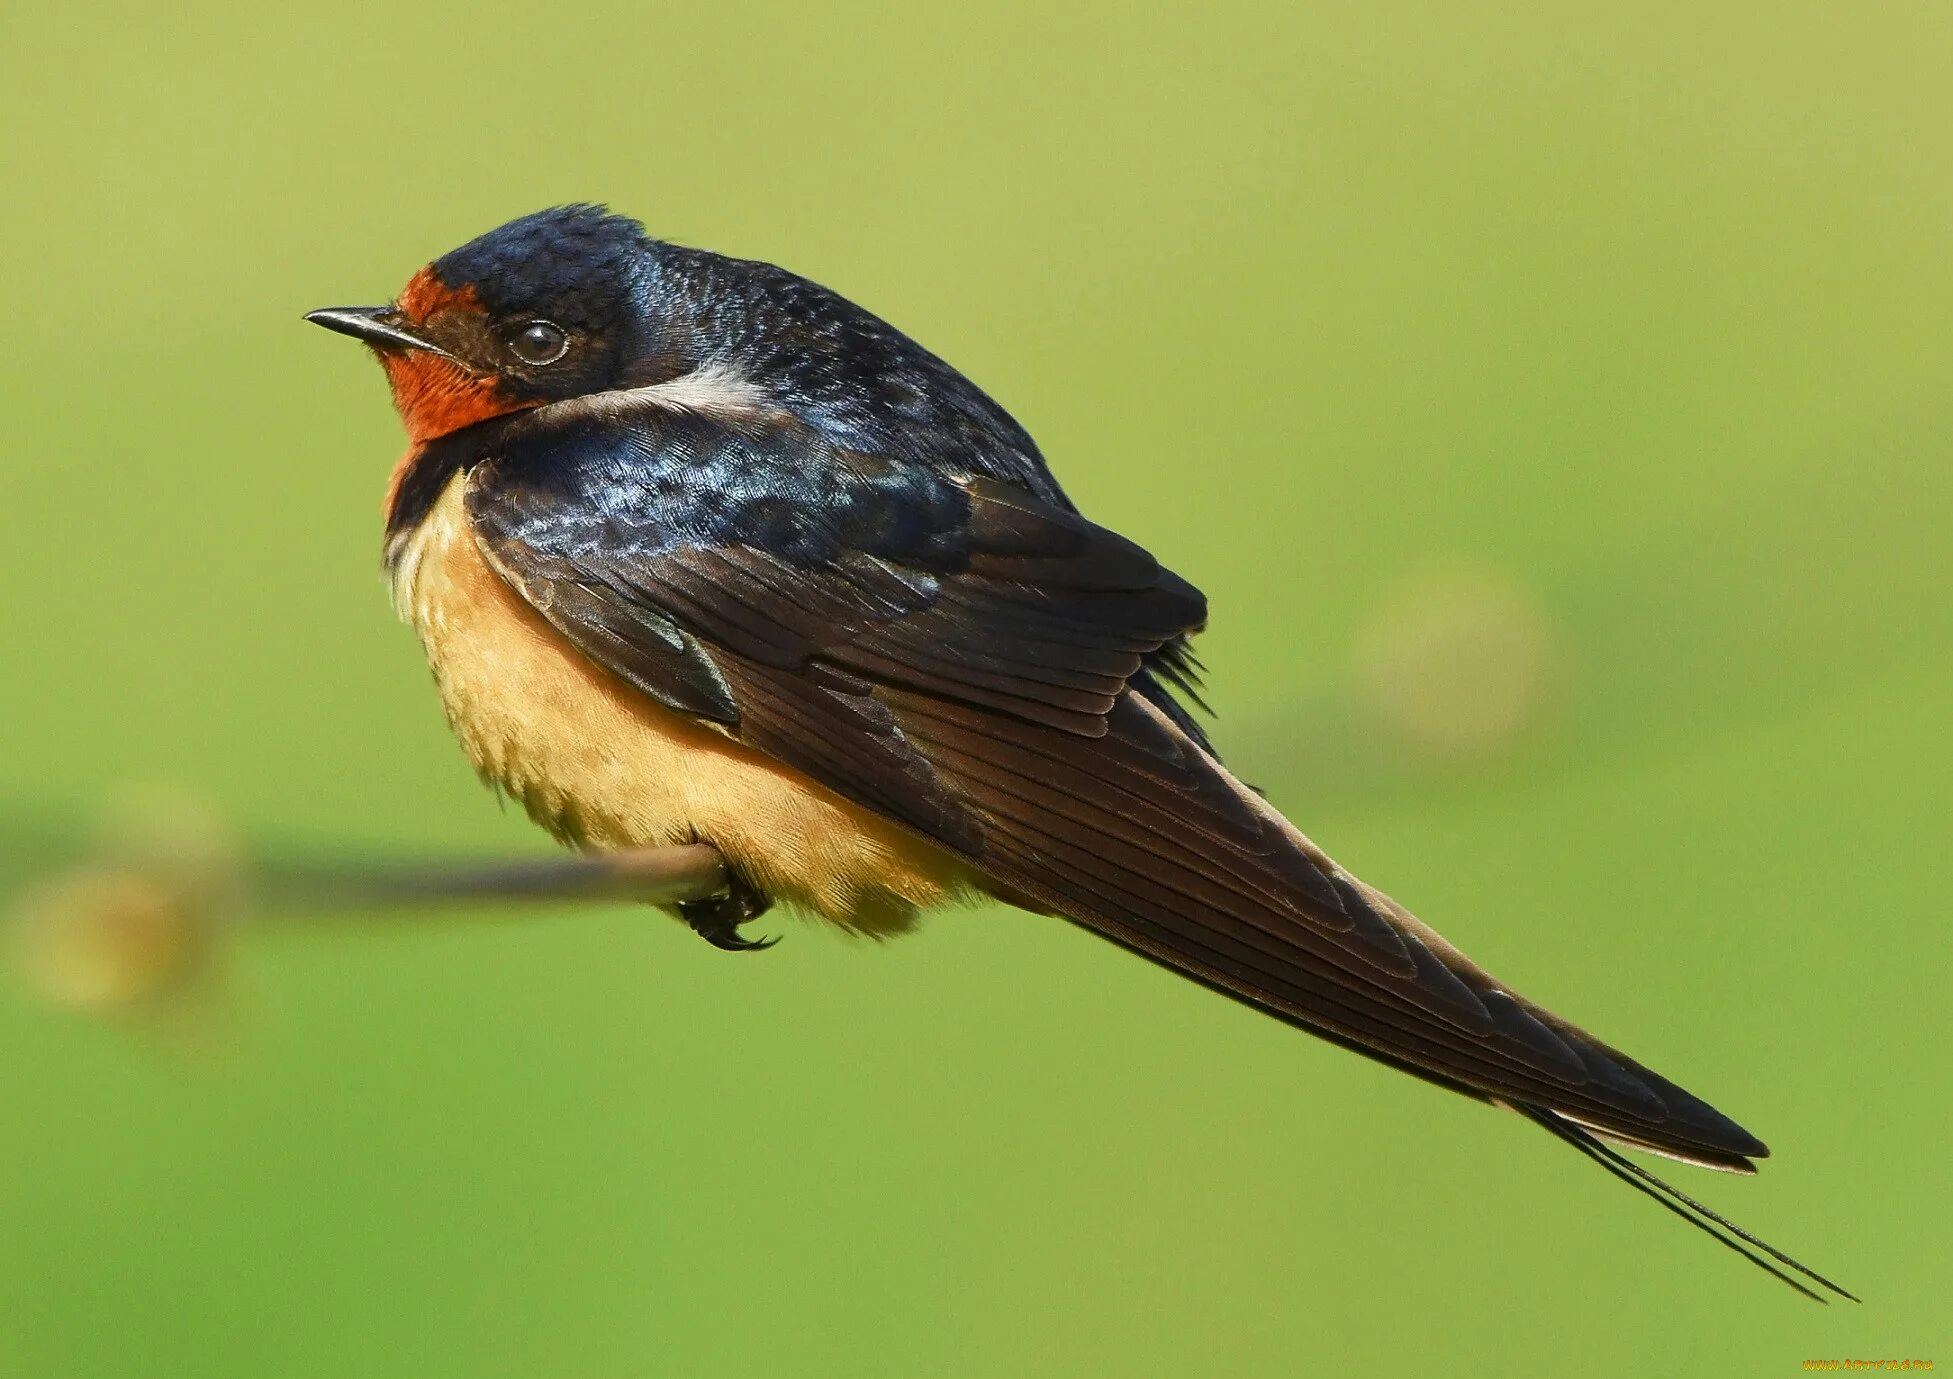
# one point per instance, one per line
(957, 655)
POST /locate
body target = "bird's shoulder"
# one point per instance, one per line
(847, 373)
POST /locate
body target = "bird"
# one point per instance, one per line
(700, 551)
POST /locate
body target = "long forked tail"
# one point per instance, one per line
(1144, 838)
(1717, 1227)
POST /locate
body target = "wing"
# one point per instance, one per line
(956, 654)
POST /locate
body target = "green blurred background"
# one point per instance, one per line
(1583, 371)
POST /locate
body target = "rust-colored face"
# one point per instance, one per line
(541, 313)
(433, 393)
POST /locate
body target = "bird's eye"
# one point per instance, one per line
(539, 343)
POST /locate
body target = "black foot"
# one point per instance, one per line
(717, 918)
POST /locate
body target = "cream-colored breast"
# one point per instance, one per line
(602, 766)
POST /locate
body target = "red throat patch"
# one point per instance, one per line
(435, 396)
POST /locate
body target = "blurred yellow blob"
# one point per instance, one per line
(107, 940)
(1459, 664)
(135, 931)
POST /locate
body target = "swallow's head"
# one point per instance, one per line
(552, 306)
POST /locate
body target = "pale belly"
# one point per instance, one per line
(604, 767)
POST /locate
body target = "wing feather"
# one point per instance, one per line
(962, 657)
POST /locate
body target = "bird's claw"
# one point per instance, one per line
(717, 918)
(731, 941)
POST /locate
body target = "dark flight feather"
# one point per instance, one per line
(1717, 1227)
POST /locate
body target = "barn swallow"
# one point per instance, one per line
(699, 551)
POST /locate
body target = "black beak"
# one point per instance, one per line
(379, 326)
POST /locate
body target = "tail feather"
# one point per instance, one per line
(1713, 1224)
(1142, 837)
